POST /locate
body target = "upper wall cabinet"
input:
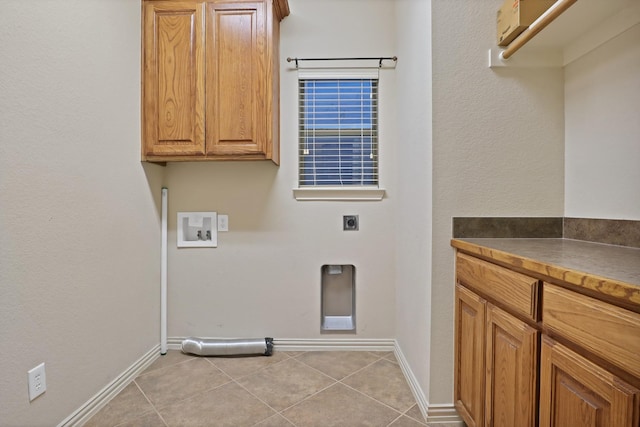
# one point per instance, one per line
(211, 80)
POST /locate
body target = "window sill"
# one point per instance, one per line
(339, 193)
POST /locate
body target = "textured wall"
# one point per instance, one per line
(264, 277)
(602, 108)
(497, 150)
(413, 204)
(79, 228)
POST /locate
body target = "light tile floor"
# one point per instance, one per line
(329, 388)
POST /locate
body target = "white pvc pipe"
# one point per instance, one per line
(163, 275)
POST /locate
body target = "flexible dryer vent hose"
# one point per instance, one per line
(227, 347)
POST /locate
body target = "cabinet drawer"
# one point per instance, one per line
(605, 330)
(511, 289)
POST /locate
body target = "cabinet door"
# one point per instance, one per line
(173, 91)
(511, 363)
(236, 83)
(469, 356)
(575, 392)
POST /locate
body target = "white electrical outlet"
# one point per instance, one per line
(223, 222)
(37, 381)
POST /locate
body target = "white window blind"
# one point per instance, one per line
(338, 129)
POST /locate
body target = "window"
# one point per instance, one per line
(338, 131)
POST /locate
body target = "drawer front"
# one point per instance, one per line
(514, 290)
(605, 330)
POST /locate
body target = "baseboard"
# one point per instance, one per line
(432, 413)
(336, 344)
(443, 414)
(315, 344)
(97, 402)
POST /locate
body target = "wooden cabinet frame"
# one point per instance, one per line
(509, 373)
(211, 80)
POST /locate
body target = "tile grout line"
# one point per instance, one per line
(360, 369)
(157, 407)
(340, 381)
(258, 398)
(147, 371)
(309, 397)
(229, 379)
(336, 381)
(235, 380)
(423, 422)
(304, 399)
(373, 398)
(346, 376)
(394, 420)
(209, 359)
(150, 403)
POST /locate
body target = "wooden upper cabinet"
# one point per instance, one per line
(173, 84)
(236, 75)
(211, 80)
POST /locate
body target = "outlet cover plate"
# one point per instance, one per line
(37, 381)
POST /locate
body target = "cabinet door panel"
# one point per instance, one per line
(173, 79)
(469, 356)
(511, 365)
(236, 78)
(576, 392)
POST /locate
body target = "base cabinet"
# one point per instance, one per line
(469, 356)
(511, 366)
(578, 393)
(495, 377)
(530, 353)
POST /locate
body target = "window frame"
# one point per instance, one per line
(372, 192)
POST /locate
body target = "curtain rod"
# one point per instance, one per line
(375, 58)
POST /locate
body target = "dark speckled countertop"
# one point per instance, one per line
(607, 270)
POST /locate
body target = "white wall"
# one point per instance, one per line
(264, 277)
(413, 204)
(497, 150)
(79, 228)
(602, 113)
